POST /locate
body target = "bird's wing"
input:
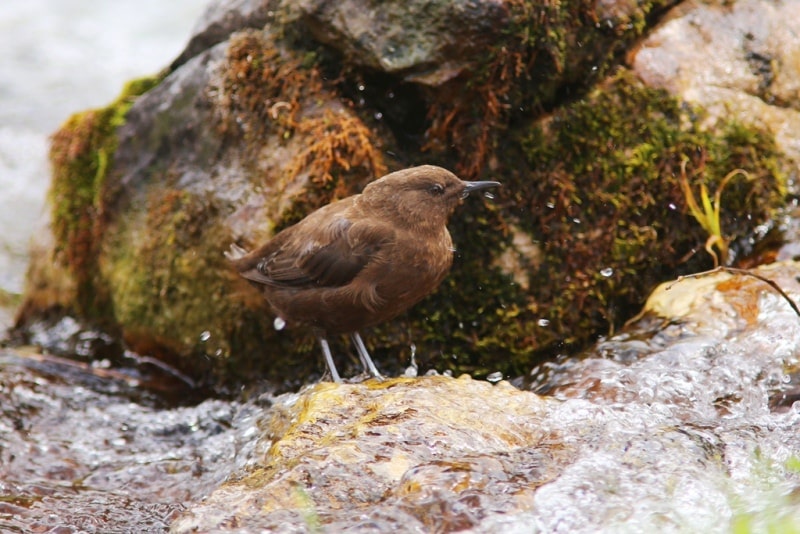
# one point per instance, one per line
(328, 257)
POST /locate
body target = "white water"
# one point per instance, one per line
(59, 57)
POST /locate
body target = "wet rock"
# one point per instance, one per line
(421, 41)
(740, 59)
(427, 454)
(221, 19)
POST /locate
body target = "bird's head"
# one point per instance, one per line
(422, 197)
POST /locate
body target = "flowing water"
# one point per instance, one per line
(60, 57)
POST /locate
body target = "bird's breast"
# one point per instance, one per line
(415, 266)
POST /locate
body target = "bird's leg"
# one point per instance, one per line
(326, 351)
(364, 356)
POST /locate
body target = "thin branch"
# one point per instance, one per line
(743, 272)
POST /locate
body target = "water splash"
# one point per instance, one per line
(495, 377)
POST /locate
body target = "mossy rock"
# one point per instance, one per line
(252, 134)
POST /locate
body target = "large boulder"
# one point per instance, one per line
(275, 109)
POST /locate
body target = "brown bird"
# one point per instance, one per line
(361, 260)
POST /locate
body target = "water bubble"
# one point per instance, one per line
(576, 220)
(607, 272)
(205, 336)
(488, 195)
(361, 87)
(495, 377)
(550, 205)
(279, 324)
(378, 115)
(672, 206)
(543, 322)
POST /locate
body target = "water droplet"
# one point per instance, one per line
(607, 272)
(672, 206)
(361, 87)
(205, 336)
(543, 322)
(495, 377)
(279, 324)
(412, 371)
(378, 115)
(488, 195)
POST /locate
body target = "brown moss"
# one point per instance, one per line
(264, 86)
(272, 90)
(339, 143)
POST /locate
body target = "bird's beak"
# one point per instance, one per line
(475, 186)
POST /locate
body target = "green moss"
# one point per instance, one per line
(8, 299)
(177, 297)
(604, 198)
(80, 153)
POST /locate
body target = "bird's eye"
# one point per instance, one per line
(437, 189)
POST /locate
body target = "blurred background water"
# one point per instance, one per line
(59, 57)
